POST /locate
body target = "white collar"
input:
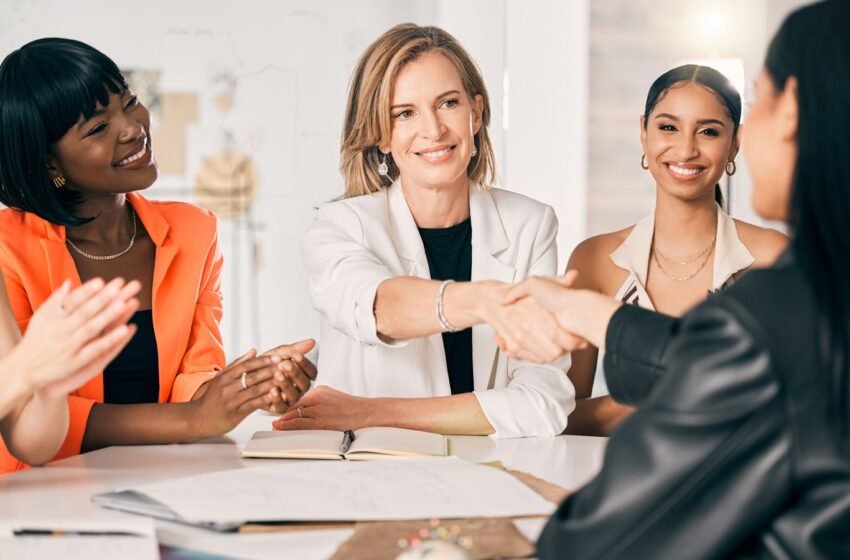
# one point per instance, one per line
(730, 254)
(488, 232)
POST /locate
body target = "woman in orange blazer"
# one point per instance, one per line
(87, 329)
(75, 149)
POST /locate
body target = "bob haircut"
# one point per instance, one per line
(707, 77)
(367, 114)
(46, 86)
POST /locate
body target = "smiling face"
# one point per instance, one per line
(109, 152)
(433, 124)
(688, 139)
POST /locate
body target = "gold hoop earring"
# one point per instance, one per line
(734, 168)
(643, 163)
(59, 181)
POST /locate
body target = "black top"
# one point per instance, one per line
(449, 253)
(133, 376)
(733, 451)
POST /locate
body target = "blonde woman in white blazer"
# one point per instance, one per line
(402, 343)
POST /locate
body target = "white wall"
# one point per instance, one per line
(546, 138)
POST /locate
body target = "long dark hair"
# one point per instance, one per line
(45, 87)
(813, 46)
(707, 77)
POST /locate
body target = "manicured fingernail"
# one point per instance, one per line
(274, 357)
(279, 377)
(287, 365)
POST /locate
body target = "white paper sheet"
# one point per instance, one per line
(294, 545)
(79, 548)
(141, 544)
(342, 490)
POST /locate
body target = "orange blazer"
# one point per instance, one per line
(187, 304)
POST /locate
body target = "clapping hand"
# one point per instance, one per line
(74, 334)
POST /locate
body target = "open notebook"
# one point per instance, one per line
(361, 445)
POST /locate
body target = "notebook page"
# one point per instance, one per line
(398, 441)
(304, 444)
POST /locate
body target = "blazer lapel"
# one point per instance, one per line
(411, 252)
(165, 325)
(60, 266)
(406, 237)
(730, 254)
(633, 256)
(489, 240)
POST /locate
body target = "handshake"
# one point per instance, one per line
(542, 318)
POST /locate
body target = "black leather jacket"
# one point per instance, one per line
(732, 452)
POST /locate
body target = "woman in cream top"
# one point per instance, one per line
(731, 256)
(688, 247)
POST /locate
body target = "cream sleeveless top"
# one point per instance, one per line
(731, 256)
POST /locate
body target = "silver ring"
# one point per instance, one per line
(299, 412)
(243, 379)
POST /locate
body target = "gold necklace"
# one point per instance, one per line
(690, 260)
(706, 252)
(108, 257)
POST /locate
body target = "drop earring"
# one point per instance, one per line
(383, 168)
(474, 151)
(734, 168)
(643, 163)
(59, 181)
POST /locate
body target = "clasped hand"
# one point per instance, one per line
(527, 327)
(555, 318)
(273, 381)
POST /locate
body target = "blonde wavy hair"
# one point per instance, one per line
(368, 122)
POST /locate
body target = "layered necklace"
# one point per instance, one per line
(108, 257)
(704, 254)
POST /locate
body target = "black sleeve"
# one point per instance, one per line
(700, 467)
(635, 344)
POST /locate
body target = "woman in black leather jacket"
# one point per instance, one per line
(739, 447)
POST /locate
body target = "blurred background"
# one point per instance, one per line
(248, 101)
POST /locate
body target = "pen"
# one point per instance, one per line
(347, 439)
(69, 533)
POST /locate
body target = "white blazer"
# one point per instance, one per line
(357, 243)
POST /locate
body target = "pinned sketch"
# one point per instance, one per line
(179, 110)
(226, 183)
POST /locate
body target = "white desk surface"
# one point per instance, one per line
(64, 488)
